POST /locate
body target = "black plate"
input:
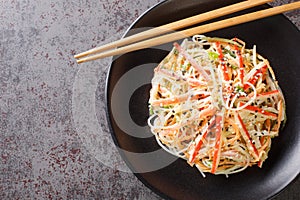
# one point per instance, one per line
(127, 94)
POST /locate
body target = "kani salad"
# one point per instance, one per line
(216, 104)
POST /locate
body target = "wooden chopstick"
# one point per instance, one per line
(175, 26)
(196, 30)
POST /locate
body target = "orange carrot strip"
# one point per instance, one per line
(256, 75)
(221, 60)
(265, 94)
(218, 144)
(259, 110)
(245, 134)
(177, 99)
(203, 136)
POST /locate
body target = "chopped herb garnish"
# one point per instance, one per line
(239, 89)
(151, 112)
(176, 52)
(229, 52)
(213, 55)
(233, 66)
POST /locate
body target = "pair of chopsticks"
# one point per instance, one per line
(134, 42)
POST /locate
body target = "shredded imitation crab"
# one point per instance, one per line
(216, 104)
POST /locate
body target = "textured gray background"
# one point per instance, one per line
(45, 151)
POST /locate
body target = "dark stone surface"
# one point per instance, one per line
(54, 139)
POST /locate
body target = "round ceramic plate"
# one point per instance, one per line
(127, 93)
